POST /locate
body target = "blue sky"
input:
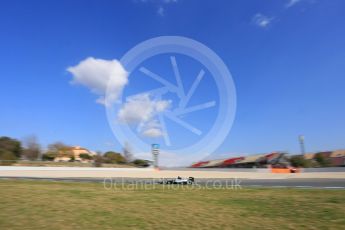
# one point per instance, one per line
(287, 59)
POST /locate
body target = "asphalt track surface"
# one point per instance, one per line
(221, 183)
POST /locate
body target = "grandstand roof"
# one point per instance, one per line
(251, 159)
(213, 163)
(266, 158)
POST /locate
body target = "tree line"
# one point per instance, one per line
(319, 160)
(12, 150)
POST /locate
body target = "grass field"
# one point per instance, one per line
(71, 205)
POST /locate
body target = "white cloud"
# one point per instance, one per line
(291, 3)
(160, 11)
(262, 20)
(153, 132)
(160, 4)
(141, 110)
(152, 129)
(98, 74)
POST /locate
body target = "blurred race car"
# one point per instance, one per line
(178, 180)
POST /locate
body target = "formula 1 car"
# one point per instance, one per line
(178, 180)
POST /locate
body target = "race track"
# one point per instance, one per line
(246, 178)
(214, 182)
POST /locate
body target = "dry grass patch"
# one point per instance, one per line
(70, 205)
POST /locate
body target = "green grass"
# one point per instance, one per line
(68, 205)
